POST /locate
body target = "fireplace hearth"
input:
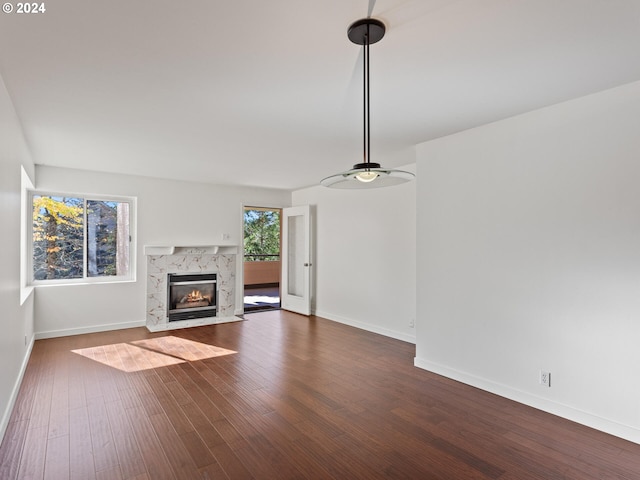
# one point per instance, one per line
(191, 295)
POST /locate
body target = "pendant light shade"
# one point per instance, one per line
(371, 176)
(367, 174)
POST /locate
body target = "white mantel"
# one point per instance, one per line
(193, 249)
(165, 259)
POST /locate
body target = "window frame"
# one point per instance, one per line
(85, 279)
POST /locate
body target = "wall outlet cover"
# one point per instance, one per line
(545, 378)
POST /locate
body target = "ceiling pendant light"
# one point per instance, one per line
(367, 174)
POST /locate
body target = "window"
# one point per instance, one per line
(81, 239)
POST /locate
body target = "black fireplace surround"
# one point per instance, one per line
(191, 295)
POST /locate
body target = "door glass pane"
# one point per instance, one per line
(296, 256)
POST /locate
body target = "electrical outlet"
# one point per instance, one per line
(412, 323)
(225, 236)
(545, 378)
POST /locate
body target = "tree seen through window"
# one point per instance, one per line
(261, 235)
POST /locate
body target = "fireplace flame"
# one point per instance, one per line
(195, 296)
(194, 299)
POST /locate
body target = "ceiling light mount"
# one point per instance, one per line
(367, 174)
(366, 31)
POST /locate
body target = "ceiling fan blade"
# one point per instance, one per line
(354, 87)
(411, 10)
(372, 4)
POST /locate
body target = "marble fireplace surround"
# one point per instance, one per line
(162, 260)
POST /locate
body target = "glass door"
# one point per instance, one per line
(296, 260)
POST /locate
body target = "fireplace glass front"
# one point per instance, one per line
(191, 295)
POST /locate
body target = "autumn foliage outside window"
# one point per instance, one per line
(76, 238)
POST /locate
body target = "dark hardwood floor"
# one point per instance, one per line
(278, 396)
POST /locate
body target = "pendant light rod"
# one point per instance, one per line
(367, 124)
(367, 174)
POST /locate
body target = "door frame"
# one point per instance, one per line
(240, 270)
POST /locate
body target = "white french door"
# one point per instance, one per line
(296, 260)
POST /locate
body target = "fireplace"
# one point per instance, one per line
(191, 295)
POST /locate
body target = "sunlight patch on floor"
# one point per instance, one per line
(151, 353)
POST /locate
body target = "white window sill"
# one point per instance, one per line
(80, 281)
(25, 293)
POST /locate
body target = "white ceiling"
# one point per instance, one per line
(269, 92)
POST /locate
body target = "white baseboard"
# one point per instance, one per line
(14, 392)
(565, 411)
(92, 329)
(367, 326)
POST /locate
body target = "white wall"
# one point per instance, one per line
(16, 320)
(529, 258)
(364, 265)
(168, 213)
